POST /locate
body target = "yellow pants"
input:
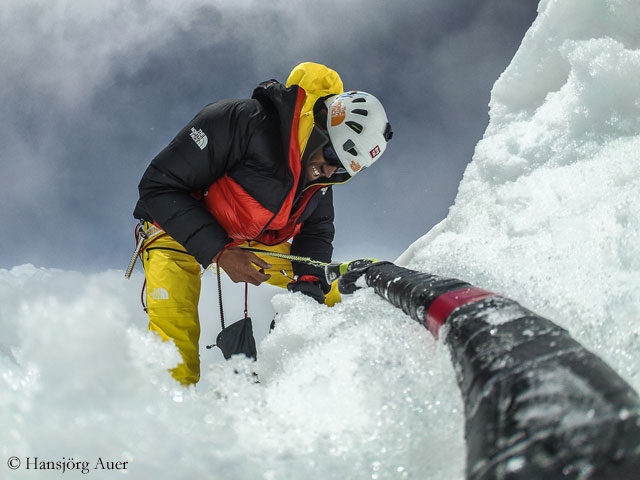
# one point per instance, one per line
(173, 293)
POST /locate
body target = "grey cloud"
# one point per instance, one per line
(93, 90)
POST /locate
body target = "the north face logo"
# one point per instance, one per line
(199, 137)
(159, 294)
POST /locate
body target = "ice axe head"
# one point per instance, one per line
(348, 273)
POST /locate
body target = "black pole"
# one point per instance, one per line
(538, 405)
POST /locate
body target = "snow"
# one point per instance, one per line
(342, 391)
(547, 214)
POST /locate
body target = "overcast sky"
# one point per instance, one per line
(92, 90)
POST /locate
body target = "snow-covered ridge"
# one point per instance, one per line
(548, 212)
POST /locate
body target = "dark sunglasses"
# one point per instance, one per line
(331, 156)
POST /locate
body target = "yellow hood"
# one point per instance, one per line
(317, 81)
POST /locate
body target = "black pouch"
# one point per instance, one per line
(237, 338)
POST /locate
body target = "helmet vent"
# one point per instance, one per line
(388, 133)
(360, 111)
(359, 100)
(350, 147)
(355, 126)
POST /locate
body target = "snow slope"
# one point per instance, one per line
(547, 213)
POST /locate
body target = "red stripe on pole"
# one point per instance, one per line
(446, 303)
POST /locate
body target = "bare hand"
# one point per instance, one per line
(239, 265)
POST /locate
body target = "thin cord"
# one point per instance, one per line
(220, 295)
(246, 296)
(292, 258)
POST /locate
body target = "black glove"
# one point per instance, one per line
(308, 285)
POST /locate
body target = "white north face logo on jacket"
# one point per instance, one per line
(199, 137)
(159, 294)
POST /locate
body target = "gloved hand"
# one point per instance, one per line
(308, 285)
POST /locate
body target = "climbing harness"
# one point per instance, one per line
(142, 237)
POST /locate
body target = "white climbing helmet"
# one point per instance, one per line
(358, 129)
